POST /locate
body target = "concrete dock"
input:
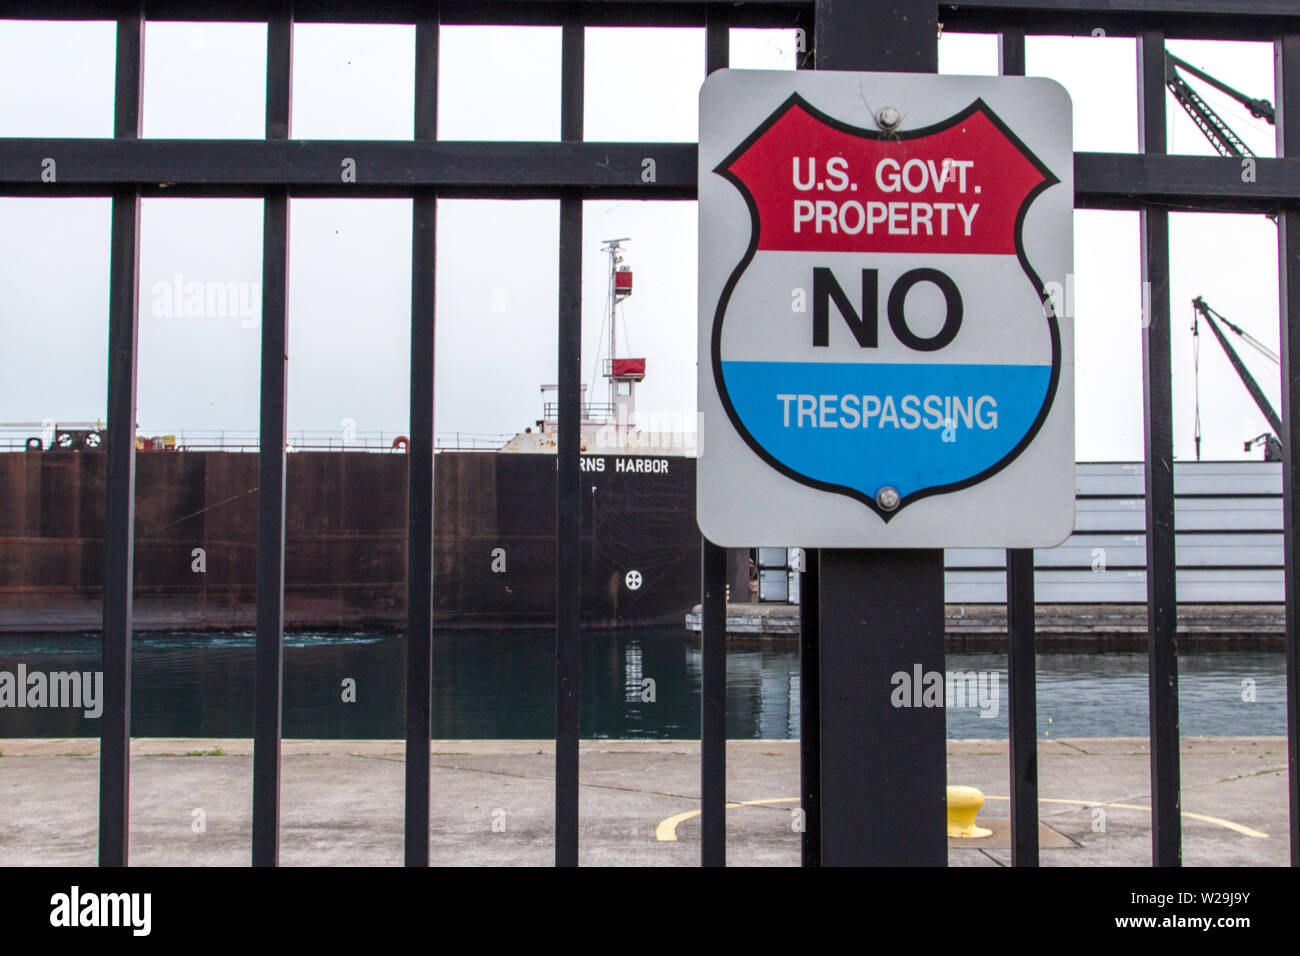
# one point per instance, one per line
(1058, 627)
(492, 802)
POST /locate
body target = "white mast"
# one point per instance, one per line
(615, 250)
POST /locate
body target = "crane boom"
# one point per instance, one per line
(1220, 135)
(1204, 308)
(1259, 108)
(1274, 422)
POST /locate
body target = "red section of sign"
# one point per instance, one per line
(822, 187)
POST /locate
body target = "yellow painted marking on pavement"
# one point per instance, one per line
(666, 831)
(1218, 821)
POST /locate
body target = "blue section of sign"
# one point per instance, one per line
(865, 426)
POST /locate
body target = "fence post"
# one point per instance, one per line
(419, 464)
(881, 612)
(1158, 418)
(1022, 716)
(568, 511)
(268, 691)
(713, 605)
(1287, 54)
(119, 505)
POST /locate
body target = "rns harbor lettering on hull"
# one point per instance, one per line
(880, 363)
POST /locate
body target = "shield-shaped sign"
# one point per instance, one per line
(884, 336)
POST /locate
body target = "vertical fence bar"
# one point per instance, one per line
(713, 704)
(1287, 57)
(810, 768)
(717, 39)
(713, 604)
(1022, 717)
(269, 679)
(881, 612)
(419, 491)
(1157, 403)
(810, 771)
(119, 494)
(568, 510)
(1011, 52)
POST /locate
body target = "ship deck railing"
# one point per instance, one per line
(389, 440)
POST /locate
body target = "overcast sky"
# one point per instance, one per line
(497, 283)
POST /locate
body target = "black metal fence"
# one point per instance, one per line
(869, 34)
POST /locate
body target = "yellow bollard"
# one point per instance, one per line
(963, 804)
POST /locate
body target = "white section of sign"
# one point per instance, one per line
(990, 285)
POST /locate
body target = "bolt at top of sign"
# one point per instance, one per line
(889, 119)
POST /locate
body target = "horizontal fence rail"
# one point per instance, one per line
(1207, 19)
(235, 168)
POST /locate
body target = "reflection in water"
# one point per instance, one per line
(635, 683)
